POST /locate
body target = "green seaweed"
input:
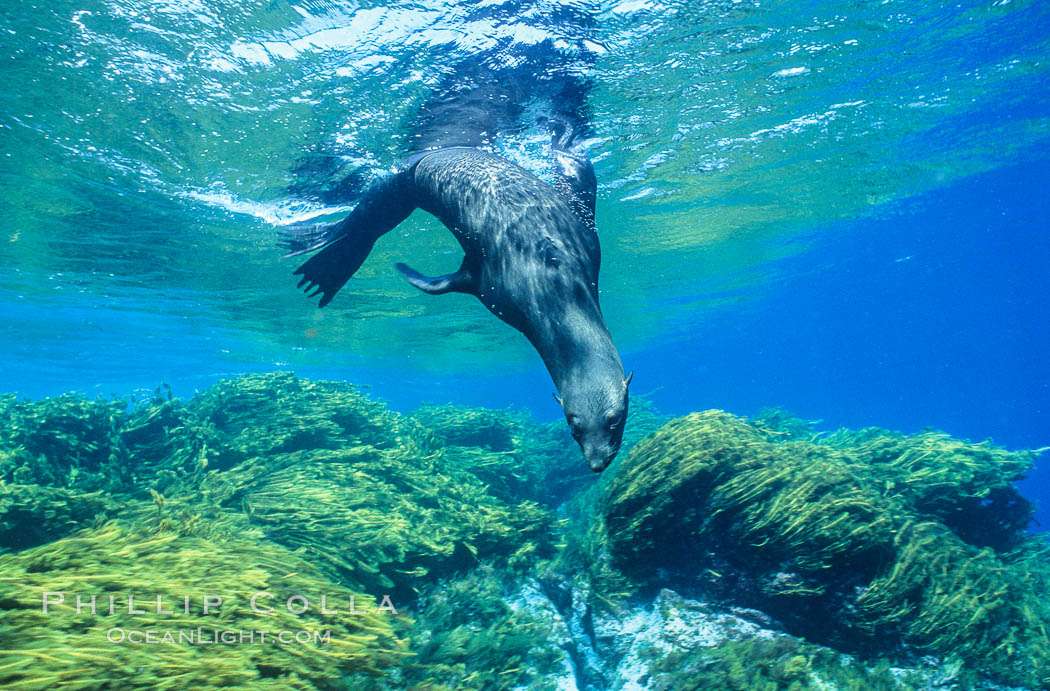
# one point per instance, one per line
(318, 465)
(67, 648)
(32, 515)
(64, 441)
(245, 471)
(505, 449)
(453, 425)
(782, 663)
(469, 637)
(385, 519)
(967, 487)
(518, 457)
(265, 414)
(885, 543)
(820, 527)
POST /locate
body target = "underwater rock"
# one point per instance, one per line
(579, 664)
(678, 643)
(838, 547)
(671, 642)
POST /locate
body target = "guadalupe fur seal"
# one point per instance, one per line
(531, 255)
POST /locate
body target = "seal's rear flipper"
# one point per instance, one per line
(386, 203)
(460, 282)
(330, 269)
(300, 238)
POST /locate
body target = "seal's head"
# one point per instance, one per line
(596, 419)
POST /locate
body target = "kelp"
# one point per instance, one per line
(386, 519)
(366, 493)
(454, 425)
(953, 598)
(468, 637)
(518, 457)
(265, 414)
(69, 649)
(116, 446)
(966, 487)
(819, 528)
(32, 515)
(63, 441)
(253, 417)
(312, 478)
(505, 449)
(864, 540)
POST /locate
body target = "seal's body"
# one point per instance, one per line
(531, 255)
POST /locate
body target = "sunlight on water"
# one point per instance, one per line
(151, 147)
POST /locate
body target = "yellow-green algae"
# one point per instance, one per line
(967, 487)
(825, 531)
(504, 448)
(368, 501)
(383, 519)
(363, 491)
(69, 650)
(270, 480)
(474, 640)
(779, 664)
(519, 458)
(64, 441)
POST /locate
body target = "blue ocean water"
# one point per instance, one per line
(833, 208)
(837, 209)
(933, 315)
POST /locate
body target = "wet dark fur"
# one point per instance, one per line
(531, 253)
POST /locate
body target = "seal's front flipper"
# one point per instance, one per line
(573, 172)
(460, 282)
(386, 203)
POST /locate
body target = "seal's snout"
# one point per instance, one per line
(599, 458)
(599, 463)
(596, 419)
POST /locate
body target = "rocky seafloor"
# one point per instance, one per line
(717, 552)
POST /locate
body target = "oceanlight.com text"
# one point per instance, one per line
(203, 636)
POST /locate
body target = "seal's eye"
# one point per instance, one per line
(614, 420)
(576, 431)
